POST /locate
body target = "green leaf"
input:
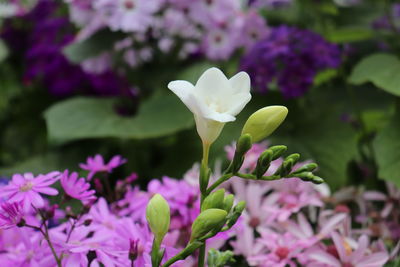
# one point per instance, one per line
(84, 117)
(348, 35)
(381, 69)
(387, 151)
(92, 47)
(329, 142)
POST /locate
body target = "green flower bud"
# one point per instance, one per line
(214, 201)
(207, 220)
(278, 151)
(264, 122)
(306, 168)
(263, 162)
(228, 202)
(217, 258)
(243, 144)
(287, 165)
(237, 211)
(158, 217)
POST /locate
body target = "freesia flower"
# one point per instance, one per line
(214, 100)
(77, 188)
(96, 164)
(10, 214)
(27, 188)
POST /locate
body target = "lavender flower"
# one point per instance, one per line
(27, 189)
(11, 214)
(77, 188)
(290, 57)
(96, 164)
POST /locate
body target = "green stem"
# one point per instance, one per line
(45, 234)
(203, 168)
(221, 180)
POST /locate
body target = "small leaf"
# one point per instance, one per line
(380, 69)
(85, 117)
(387, 151)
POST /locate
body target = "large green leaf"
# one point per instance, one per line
(84, 117)
(387, 151)
(92, 47)
(381, 69)
(326, 140)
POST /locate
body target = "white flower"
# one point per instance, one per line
(214, 100)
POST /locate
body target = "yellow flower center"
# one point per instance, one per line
(26, 187)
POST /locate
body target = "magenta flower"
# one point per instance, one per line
(77, 188)
(96, 164)
(10, 214)
(27, 189)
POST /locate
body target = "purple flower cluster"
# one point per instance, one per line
(289, 57)
(286, 223)
(213, 28)
(44, 61)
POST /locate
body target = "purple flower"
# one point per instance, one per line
(96, 164)
(77, 188)
(11, 214)
(27, 189)
(291, 57)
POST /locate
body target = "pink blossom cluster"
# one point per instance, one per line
(215, 28)
(286, 223)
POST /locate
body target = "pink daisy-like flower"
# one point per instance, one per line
(77, 188)
(10, 214)
(96, 164)
(27, 189)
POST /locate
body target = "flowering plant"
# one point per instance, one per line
(70, 242)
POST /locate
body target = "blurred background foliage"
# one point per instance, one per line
(347, 120)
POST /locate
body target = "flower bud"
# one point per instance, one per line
(263, 162)
(207, 220)
(278, 151)
(228, 202)
(306, 168)
(243, 144)
(158, 217)
(217, 258)
(237, 211)
(264, 122)
(214, 201)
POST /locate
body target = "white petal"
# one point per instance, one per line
(240, 83)
(238, 102)
(213, 84)
(183, 90)
(220, 117)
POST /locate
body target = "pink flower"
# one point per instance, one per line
(279, 250)
(96, 164)
(349, 253)
(27, 189)
(77, 188)
(10, 214)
